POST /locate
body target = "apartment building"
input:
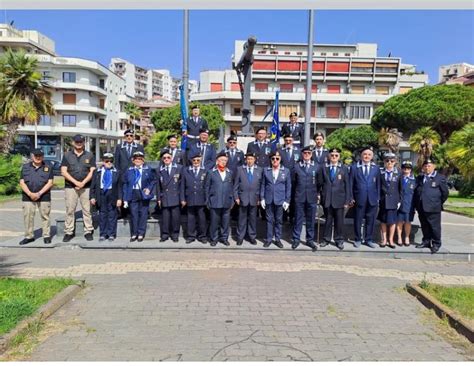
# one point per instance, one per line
(453, 71)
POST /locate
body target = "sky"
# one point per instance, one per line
(153, 38)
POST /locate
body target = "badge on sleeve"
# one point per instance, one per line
(267, 150)
(86, 161)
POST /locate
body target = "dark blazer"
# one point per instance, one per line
(208, 161)
(363, 188)
(121, 159)
(168, 187)
(116, 190)
(338, 192)
(407, 193)
(430, 196)
(323, 159)
(193, 189)
(287, 162)
(237, 161)
(219, 194)
(179, 156)
(390, 190)
(277, 192)
(148, 180)
(306, 183)
(248, 193)
(298, 133)
(261, 154)
(193, 128)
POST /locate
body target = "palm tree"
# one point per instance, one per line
(134, 113)
(390, 138)
(24, 96)
(460, 150)
(423, 141)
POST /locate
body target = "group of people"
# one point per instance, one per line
(211, 185)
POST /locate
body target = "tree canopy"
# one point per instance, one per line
(353, 138)
(445, 108)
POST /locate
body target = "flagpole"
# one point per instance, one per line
(309, 81)
(186, 56)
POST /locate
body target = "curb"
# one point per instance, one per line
(43, 313)
(462, 325)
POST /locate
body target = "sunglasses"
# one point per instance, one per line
(232, 142)
(390, 161)
(166, 157)
(306, 152)
(275, 158)
(128, 135)
(335, 155)
(196, 159)
(107, 161)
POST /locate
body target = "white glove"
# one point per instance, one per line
(262, 203)
(398, 205)
(286, 206)
(125, 204)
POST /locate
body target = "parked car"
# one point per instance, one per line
(55, 165)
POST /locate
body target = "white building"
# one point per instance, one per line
(454, 71)
(349, 83)
(87, 97)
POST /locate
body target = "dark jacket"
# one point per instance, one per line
(219, 193)
(121, 159)
(290, 162)
(306, 182)
(338, 192)
(323, 159)
(390, 190)
(407, 193)
(261, 154)
(237, 161)
(193, 128)
(193, 189)
(279, 191)
(298, 133)
(363, 188)
(208, 161)
(168, 187)
(247, 192)
(116, 190)
(148, 180)
(431, 194)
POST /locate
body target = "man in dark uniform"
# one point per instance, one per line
(430, 193)
(36, 181)
(261, 148)
(195, 123)
(106, 195)
(177, 154)
(247, 184)
(320, 153)
(290, 156)
(295, 129)
(219, 200)
(203, 148)
(124, 151)
(234, 154)
(169, 196)
(193, 190)
(306, 198)
(77, 168)
(334, 183)
(365, 185)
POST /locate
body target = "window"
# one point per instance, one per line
(323, 53)
(335, 54)
(357, 89)
(45, 76)
(102, 84)
(261, 109)
(235, 109)
(334, 89)
(284, 110)
(69, 120)
(261, 87)
(102, 103)
(405, 89)
(286, 88)
(333, 111)
(359, 112)
(101, 123)
(69, 98)
(44, 120)
(381, 90)
(69, 77)
(362, 67)
(235, 87)
(216, 87)
(314, 88)
(386, 68)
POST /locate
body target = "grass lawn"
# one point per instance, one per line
(20, 298)
(10, 197)
(466, 211)
(58, 182)
(460, 299)
(454, 197)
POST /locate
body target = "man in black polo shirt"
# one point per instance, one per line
(36, 180)
(77, 168)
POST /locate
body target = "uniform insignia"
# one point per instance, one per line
(412, 186)
(46, 169)
(339, 176)
(267, 150)
(433, 184)
(86, 161)
(203, 176)
(297, 157)
(375, 179)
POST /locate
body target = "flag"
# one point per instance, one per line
(184, 117)
(275, 128)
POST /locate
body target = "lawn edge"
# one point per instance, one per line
(462, 325)
(43, 313)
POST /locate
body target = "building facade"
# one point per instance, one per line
(454, 71)
(349, 83)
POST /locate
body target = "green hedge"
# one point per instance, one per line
(10, 169)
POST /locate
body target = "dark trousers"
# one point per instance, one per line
(431, 227)
(364, 210)
(196, 213)
(219, 227)
(247, 222)
(107, 214)
(138, 214)
(305, 211)
(336, 216)
(170, 222)
(274, 216)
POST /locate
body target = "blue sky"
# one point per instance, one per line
(153, 38)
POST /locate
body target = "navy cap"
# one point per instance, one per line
(37, 152)
(128, 131)
(306, 148)
(250, 154)
(174, 136)
(203, 130)
(78, 138)
(318, 134)
(335, 150)
(407, 164)
(260, 128)
(232, 138)
(108, 156)
(367, 148)
(196, 155)
(429, 160)
(222, 153)
(273, 153)
(389, 155)
(165, 151)
(138, 154)
(293, 114)
(288, 136)
(194, 106)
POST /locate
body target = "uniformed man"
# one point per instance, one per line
(320, 153)
(219, 200)
(290, 156)
(77, 168)
(247, 184)
(178, 155)
(205, 149)
(193, 190)
(365, 185)
(390, 187)
(275, 197)
(235, 155)
(295, 129)
(36, 181)
(169, 196)
(195, 123)
(306, 198)
(124, 151)
(139, 184)
(106, 195)
(430, 194)
(406, 210)
(261, 148)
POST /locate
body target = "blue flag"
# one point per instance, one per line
(275, 128)
(184, 117)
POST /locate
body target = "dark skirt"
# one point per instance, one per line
(404, 217)
(388, 217)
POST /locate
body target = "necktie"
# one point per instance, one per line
(319, 153)
(129, 150)
(288, 153)
(232, 154)
(259, 145)
(405, 182)
(107, 179)
(366, 171)
(306, 167)
(292, 128)
(388, 177)
(333, 173)
(249, 175)
(138, 175)
(196, 172)
(169, 171)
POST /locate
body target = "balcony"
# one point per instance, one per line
(80, 108)
(79, 84)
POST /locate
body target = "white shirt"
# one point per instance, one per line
(222, 174)
(275, 173)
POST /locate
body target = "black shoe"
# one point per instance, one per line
(203, 241)
(140, 238)
(253, 242)
(423, 245)
(111, 238)
(312, 246)
(295, 244)
(213, 243)
(239, 242)
(67, 238)
(435, 249)
(175, 240)
(47, 240)
(340, 246)
(102, 238)
(266, 244)
(324, 243)
(163, 240)
(27, 241)
(189, 241)
(225, 242)
(279, 244)
(89, 237)
(133, 238)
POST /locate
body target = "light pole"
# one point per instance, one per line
(309, 79)
(186, 57)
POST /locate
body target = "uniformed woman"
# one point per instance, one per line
(406, 211)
